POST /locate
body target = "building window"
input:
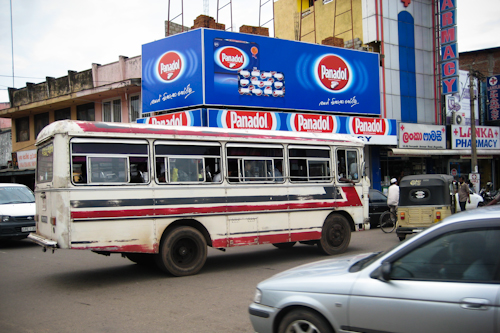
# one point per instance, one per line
(62, 114)
(135, 108)
(85, 112)
(41, 120)
(112, 111)
(22, 129)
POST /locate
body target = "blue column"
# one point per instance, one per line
(407, 77)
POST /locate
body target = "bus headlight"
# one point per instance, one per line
(258, 296)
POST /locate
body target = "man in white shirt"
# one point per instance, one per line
(393, 195)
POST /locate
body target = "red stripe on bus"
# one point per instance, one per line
(352, 200)
(121, 248)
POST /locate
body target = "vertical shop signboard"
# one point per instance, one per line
(448, 43)
(493, 86)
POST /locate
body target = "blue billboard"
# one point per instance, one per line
(214, 68)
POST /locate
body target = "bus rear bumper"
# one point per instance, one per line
(42, 241)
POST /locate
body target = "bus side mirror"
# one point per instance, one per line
(363, 169)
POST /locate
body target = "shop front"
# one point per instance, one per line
(427, 149)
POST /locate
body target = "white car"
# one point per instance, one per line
(17, 211)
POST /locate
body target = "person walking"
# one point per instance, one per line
(463, 193)
(393, 195)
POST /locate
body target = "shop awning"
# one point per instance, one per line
(433, 152)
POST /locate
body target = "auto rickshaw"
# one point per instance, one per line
(423, 201)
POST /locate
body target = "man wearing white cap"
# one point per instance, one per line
(393, 195)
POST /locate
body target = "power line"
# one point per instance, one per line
(12, 42)
(23, 77)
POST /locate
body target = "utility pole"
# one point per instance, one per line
(472, 123)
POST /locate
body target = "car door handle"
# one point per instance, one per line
(474, 303)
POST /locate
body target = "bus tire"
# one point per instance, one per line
(183, 251)
(283, 246)
(335, 235)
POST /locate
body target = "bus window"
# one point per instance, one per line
(352, 162)
(254, 163)
(105, 162)
(187, 162)
(45, 163)
(185, 170)
(79, 169)
(160, 170)
(309, 164)
(108, 169)
(347, 165)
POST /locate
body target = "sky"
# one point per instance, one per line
(51, 37)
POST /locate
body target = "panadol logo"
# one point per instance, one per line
(231, 58)
(170, 66)
(333, 72)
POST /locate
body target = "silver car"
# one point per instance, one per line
(445, 279)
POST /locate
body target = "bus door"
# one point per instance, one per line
(348, 178)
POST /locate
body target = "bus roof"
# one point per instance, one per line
(124, 130)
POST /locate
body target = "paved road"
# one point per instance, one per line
(80, 291)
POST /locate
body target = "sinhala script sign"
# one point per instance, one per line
(422, 136)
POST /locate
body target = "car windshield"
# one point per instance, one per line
(15, 194)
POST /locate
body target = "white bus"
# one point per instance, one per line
(163, 194)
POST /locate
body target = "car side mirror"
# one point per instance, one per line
(383, 273)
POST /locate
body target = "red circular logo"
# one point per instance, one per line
(169, 66)
(333, 72)
(231, 58)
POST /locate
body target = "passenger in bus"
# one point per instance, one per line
(178, 173)
(143, 172)
(80, 174)
(342, 175)
(249, 166)
(161, 173)
(278, 175)
(353, 171)
(141, 175)
(217, 178)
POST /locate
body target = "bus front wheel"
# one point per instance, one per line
(335, 235)
(183, 251)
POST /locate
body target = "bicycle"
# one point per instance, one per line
(388, 221)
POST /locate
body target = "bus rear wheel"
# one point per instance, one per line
(183, 251)
(335, 236)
